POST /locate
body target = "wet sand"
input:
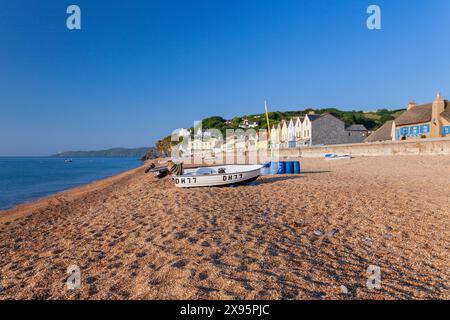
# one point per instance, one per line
(286, 237)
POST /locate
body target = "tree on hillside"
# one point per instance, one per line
(214, 122)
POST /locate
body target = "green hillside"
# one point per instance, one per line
(372, 119)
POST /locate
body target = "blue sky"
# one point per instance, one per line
(138, 69)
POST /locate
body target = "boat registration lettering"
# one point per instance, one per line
(232, 177)
(185, 180)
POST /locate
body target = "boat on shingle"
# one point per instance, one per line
(215, 176)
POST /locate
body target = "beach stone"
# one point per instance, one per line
(192, 240)
(387, 236)
(203, 276)
(179, 264)
(92, 290)
(272, 250)
(206, 290)
(317, 294)
(332, 232)
(205, 244)
(344, 290)
(117, 265)
(26, 269)
(289, 294)
(90, 280)
(57, 251)
(318, 233)
(247, 286)
(140, 254)
(154, 282)
(180, 235)
(263, 293)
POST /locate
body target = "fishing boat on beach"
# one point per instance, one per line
(217, 176)
(332, 156)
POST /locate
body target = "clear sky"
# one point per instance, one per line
(138, 69)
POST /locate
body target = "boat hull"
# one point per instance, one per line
(216, 180)
(338, 158)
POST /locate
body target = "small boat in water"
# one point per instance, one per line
(217, 176)
(68, 161)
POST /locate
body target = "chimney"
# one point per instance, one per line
(411, 105)
(438, 107)
(436, 110)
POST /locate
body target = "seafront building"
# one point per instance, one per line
(315, 129)
(248, 125)
(430, 120)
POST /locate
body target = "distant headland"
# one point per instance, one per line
(114, 152)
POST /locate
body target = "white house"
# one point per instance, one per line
(284, 133)
(291, 134)
(247, 124)
(298, 129)
(274, 136)
(307, 127)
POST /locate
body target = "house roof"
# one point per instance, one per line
(420, 114)
(313, 117)
(356, 127)
(446, 113)
(417, 114)
(383, 133)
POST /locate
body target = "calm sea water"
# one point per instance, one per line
(23, 179)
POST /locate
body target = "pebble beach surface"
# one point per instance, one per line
(307, 236)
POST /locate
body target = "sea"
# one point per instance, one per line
(24, 179)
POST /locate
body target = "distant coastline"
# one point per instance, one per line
(113, 153)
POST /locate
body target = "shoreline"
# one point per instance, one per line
(70, 194)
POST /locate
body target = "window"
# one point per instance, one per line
(445, 130)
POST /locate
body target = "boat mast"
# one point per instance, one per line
(267, 119)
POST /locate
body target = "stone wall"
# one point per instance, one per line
(438, 146)
(387, 148)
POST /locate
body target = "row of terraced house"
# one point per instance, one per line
(417, 122)
(314, 129)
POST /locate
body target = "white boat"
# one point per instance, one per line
(217, 176)
(332, 156)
